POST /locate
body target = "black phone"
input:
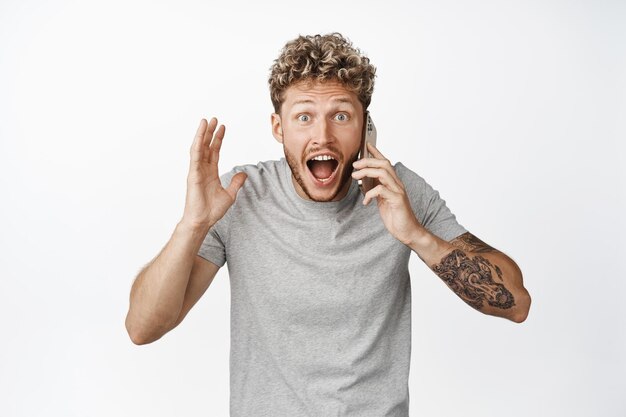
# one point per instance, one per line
(369, 136)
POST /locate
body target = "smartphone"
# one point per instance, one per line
(369, 136)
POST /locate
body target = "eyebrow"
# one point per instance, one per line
(309, 101)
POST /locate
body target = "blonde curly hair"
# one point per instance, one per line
(322, 58)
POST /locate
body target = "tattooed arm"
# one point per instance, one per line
(480, 275)
(483, 277)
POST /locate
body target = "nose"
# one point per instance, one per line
(323, 133)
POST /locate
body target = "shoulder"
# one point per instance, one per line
(412, 181)
(420, 192)
(260, 169)
(260, 176)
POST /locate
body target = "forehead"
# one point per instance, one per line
(316, 92)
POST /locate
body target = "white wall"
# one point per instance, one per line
(515, 111)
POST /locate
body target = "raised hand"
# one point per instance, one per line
(393, 203)
(207, 201)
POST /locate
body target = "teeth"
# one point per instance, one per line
(322, 158)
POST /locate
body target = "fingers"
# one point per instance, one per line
(204, 130)
(196, 146)
(379, 191)
(379, 168)
(207, 143)
(371, 162)
(379, 161)
(206, 138)
(382, 175)
(236, 183)
(374, 151)
(216, 145)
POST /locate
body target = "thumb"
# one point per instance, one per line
(236, 183)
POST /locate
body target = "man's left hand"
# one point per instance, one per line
(393, 202)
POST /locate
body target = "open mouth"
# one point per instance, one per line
(323, 168)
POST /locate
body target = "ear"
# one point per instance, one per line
(277, 127)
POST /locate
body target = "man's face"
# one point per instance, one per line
(320, 121)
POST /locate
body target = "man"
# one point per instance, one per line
(321, 313)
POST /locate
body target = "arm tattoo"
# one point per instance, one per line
(471, 280)
(470, 243)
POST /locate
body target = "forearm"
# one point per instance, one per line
(483, 277)
(157, 295)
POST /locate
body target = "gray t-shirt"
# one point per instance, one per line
(320, 297)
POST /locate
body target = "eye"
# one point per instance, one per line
(341, 117)
(304, 118)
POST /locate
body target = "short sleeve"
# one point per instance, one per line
(213, 247)
(429, 208)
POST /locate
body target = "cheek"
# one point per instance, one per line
(354, 139)
(297, 137)
(294, 143)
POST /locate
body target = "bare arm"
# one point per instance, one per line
(176, 278)
(483, 277)
(166, 289)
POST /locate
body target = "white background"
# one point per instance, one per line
(514, 110)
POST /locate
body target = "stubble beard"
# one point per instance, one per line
(345, 175)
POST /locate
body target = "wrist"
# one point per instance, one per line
(429, 247)
(193, 228)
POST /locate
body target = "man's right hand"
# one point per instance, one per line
(207, 201)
